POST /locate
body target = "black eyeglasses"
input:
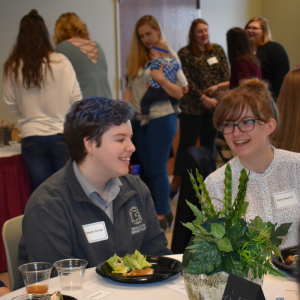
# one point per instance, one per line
(244, 126)
(252, 28)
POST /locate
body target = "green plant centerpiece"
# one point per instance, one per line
(224, 242)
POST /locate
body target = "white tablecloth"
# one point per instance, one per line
(7, 151)
(96, 287)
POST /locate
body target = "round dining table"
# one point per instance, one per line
(97, 287)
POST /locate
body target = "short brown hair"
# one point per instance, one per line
(255, 95)
(192, 40)
(265, 28)
(69, 25)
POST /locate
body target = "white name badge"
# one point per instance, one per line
(286, 199)
(95, 232)
(212, 60)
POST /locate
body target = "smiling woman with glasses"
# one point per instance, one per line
(273, 57)
(247, 116)
(243, 126)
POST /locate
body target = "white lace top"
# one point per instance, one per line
(282, 175)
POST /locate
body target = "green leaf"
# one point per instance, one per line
(225, 245)
(235, 232)
(198, 214)
(282, 230)
(206, 259)
(217, 230)
(268, 267)
(228, 190)
(256, 223)
(189, 225)
(202, 230)
(187, 255)
(233, 261)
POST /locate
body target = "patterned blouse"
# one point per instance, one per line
(200, 76)
(273, 195)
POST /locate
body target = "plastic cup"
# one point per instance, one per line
(71, 273)
(30, 297)
(36, 277)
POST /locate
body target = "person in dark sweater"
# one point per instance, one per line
(92, 209)
(244, 64)
(273, 57)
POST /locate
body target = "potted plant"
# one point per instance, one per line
(223, 242)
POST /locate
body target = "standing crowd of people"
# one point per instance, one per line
(76, 140)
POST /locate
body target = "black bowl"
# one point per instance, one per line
(276, 260)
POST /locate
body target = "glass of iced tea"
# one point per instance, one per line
(36, 277)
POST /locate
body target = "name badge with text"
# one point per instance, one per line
(212, 60)
(286, 198)
(95, 232)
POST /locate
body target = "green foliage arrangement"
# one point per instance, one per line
(223, 241)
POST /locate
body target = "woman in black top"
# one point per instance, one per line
(273, 57)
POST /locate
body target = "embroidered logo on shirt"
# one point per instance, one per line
(139, 228)
(135, 215)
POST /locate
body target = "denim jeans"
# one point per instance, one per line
(192, 127)
(43, 156)
(153, 144)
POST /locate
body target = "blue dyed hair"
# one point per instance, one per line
(91, 118)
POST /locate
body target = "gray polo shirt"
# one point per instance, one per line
(113, 187)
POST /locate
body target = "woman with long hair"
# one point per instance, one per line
(40, 86)
(154, 140)
(273, 57)
(289, 110)
(87, 57)
(247, 116)
(244, 64)
(204, 65)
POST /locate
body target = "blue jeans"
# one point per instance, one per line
(153, 144)
(43, 156)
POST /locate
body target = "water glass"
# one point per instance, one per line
(71, 273)
(29, 297)
(36, 277)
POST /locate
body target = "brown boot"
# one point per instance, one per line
(175, 185)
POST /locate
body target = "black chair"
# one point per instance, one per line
(202, 159)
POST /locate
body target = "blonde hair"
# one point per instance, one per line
(255, 95)
(139, 54)
(162, 45)
(289, 110)
(265, 28)
(69, 25)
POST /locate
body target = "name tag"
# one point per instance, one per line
(212, 60)
(286, 199)
(95, 232)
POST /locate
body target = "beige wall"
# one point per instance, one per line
(284, 21)
(221, 15)
(98, 15)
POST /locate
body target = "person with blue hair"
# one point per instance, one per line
(91, 208)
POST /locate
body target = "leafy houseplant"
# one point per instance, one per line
(223, 241)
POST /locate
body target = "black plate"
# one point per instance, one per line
(158, 263)
(67, 297)
(294, 250)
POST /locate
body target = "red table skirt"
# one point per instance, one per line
(15, 190)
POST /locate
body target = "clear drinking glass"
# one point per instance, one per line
(29, 297)
(71, 273)
(36, 277)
